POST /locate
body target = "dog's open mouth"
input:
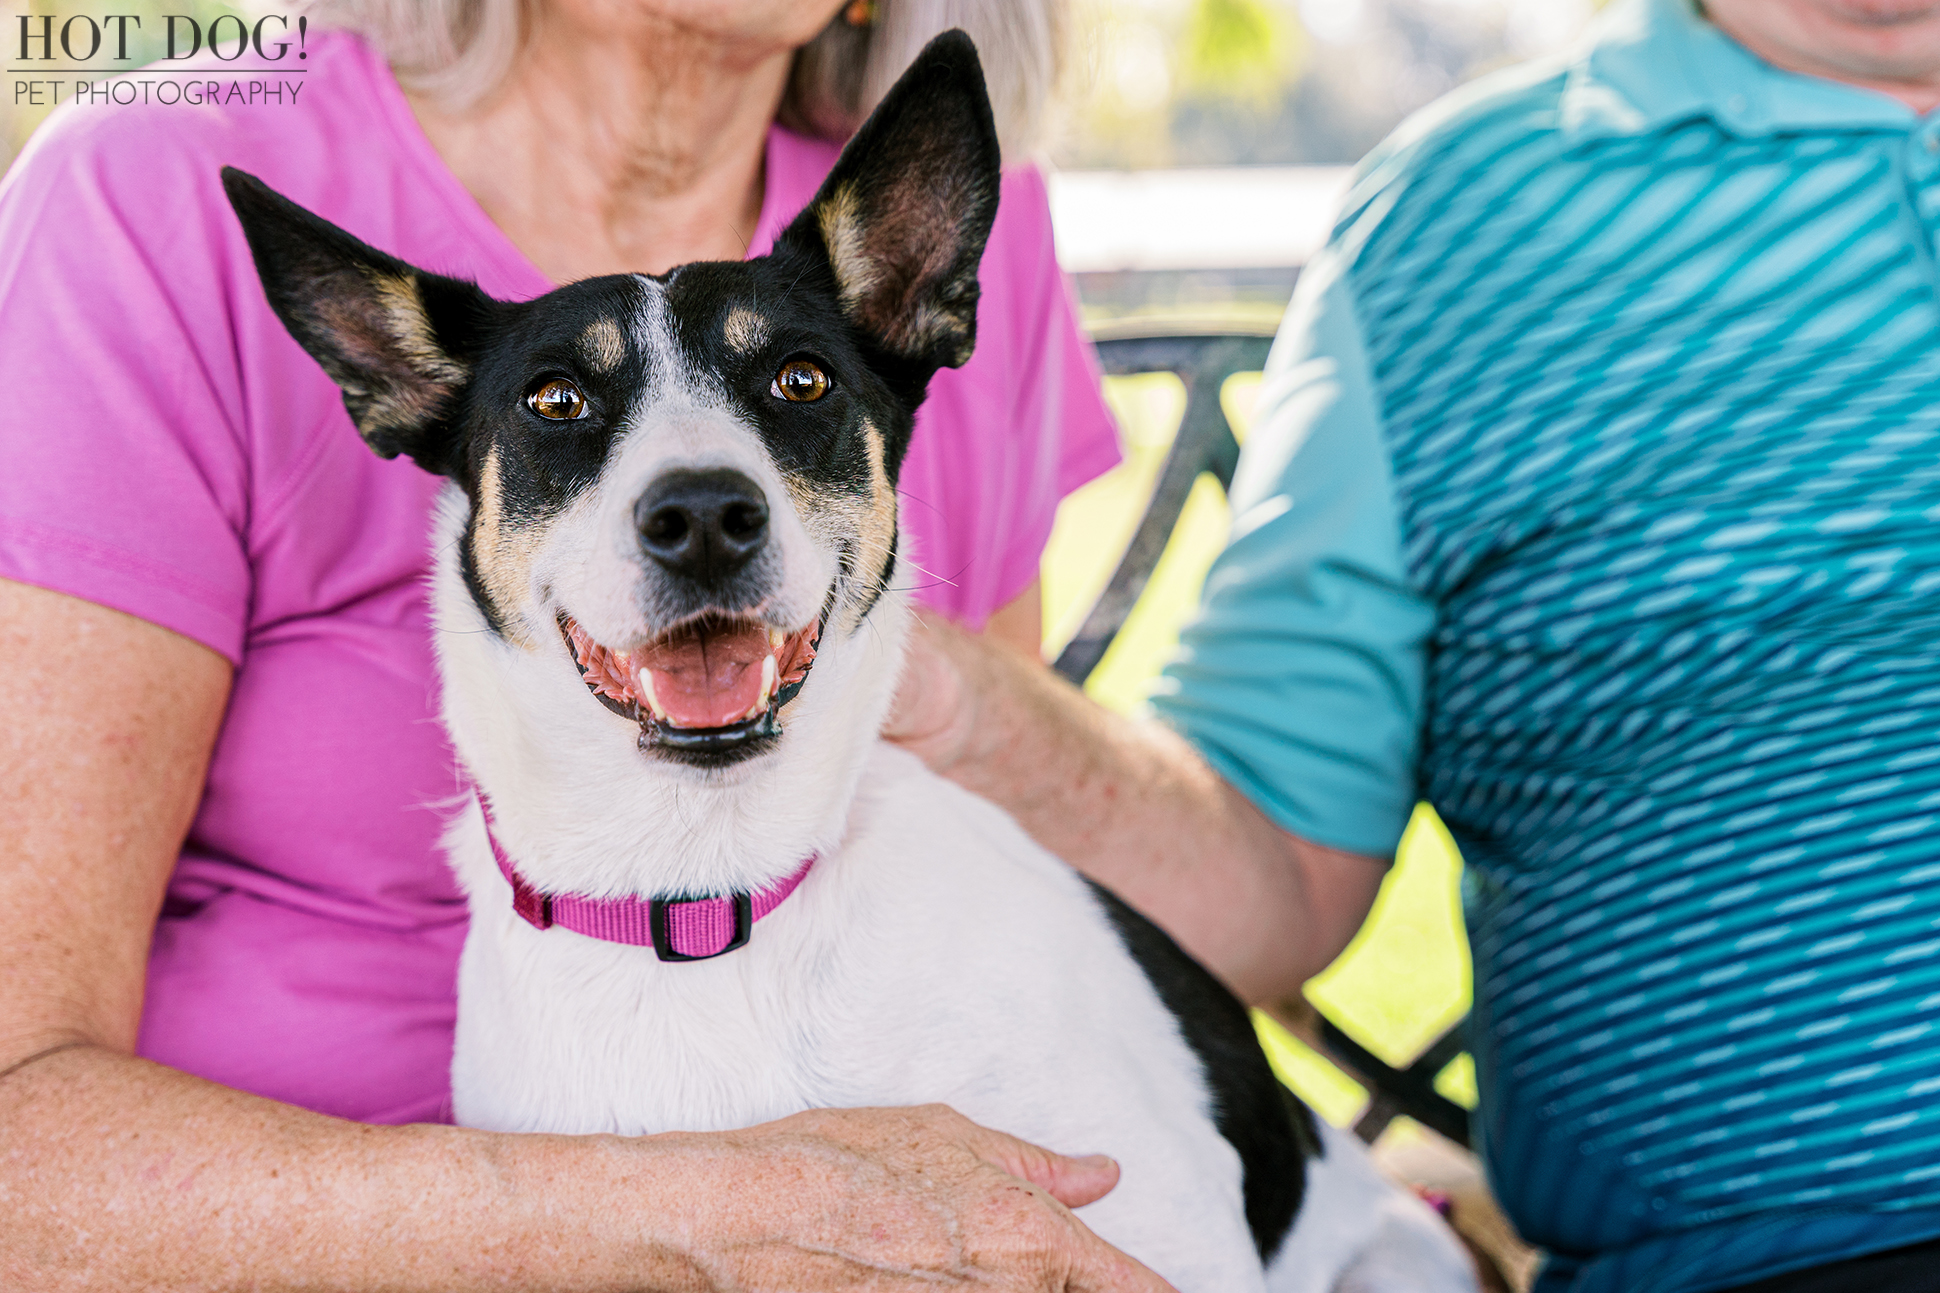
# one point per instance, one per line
(710, 689)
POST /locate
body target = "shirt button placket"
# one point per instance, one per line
(1922, 162)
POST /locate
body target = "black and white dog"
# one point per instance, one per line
(668, 637)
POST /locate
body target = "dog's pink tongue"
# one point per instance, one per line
(708, 676)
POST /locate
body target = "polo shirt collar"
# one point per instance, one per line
(1652, 64)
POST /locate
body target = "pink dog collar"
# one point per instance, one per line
(678, 929)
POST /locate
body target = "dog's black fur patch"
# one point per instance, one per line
(1269, 1126)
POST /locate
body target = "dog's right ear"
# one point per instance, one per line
(399, 341)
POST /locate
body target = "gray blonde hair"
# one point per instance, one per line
(460, 51)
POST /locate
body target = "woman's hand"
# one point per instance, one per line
(901, 1199)
(933, 716)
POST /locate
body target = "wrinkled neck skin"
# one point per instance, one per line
(581, 809)
(647, 121)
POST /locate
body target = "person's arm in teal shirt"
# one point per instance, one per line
(1301, 678)
(1259, 840)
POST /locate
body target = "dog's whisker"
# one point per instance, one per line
(796, 282)
(875, 547)
(918, 498)
(950, 580)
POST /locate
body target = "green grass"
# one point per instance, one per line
(1405, 978)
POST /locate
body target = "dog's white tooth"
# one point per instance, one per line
(768, 675)
(646, 693)
(775, 638)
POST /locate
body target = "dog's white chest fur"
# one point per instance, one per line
(927, 957)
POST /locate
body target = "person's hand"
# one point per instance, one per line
(899, 1200)
(933, 713)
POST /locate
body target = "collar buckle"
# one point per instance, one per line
(663, 912)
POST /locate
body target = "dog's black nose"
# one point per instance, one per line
(703, 525)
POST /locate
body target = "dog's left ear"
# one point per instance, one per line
(903, 217)
(399, 342)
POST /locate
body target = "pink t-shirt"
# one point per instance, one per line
(169, 451)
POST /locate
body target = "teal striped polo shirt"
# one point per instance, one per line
(1594, 497)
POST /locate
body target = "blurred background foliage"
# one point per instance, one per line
(1243, 50)
(1166, 83)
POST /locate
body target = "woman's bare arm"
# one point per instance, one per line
(106, 724)
(1133, 806)
(1019, 622)
(120, 1173)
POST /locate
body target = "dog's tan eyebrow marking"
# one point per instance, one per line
(745, 331)
(604, 345)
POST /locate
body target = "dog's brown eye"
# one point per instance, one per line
(801, 381)
(558, 399)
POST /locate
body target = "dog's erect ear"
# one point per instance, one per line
(399, 341)
(903, 217)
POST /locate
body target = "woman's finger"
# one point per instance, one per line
(1072, 1181)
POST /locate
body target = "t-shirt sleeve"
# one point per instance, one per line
(1059, 402)
(1091, 445)
(1301, 679)
(125, 477)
